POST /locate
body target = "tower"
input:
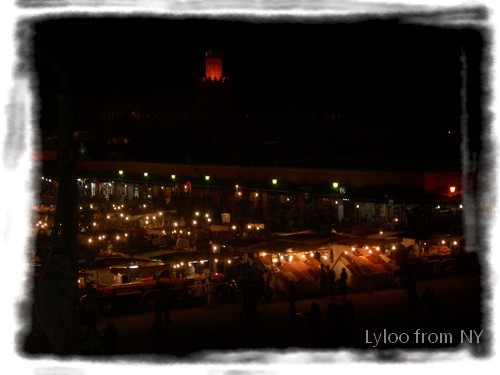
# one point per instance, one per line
(213, 92)
(212, 113)
(213, 67)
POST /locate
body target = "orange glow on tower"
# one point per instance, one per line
(213, 67)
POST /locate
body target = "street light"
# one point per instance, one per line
(274, 181)
(452, 189)
(207, 178)
(335, 185)
(146, 174)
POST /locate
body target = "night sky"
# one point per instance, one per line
(396, 83)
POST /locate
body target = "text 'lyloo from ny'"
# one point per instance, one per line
(422, 338)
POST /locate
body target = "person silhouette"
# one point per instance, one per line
(343, 283)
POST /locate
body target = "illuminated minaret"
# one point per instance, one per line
(213, 92)
(213, 67)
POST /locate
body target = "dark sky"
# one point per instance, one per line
(385, 73)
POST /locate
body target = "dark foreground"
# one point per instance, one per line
(381, 320)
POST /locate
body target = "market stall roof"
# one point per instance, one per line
(149, 252)
(101, 262)
(307, 236)
(281, 246)
(191, 256)
(438, 237)
(386, 234)
(363, 241)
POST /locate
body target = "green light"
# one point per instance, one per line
(335, 185)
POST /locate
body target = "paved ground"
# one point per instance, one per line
(223, 328)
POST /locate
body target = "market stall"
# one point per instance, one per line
(367, 268)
